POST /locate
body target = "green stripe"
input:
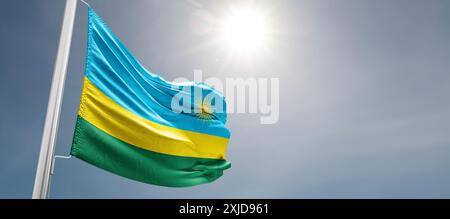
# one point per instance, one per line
(107, 152)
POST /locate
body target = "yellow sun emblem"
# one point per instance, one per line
(206, 112)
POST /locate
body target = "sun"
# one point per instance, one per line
(206, 112)
(245, 30)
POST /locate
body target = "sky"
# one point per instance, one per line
(364, 96)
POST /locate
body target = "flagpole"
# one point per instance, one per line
(43, 171)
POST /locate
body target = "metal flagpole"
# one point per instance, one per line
(41, 183)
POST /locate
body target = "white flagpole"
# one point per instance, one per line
(41, 183)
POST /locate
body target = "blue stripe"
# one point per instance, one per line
(117, 73)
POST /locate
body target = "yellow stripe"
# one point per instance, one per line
(107, 115)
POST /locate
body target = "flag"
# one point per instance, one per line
(126, 123)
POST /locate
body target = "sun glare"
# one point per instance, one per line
(245, 30)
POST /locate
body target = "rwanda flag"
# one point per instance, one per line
(126, 124)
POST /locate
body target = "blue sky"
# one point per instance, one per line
(364, 96)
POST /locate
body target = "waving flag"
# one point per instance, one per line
(126, 123)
